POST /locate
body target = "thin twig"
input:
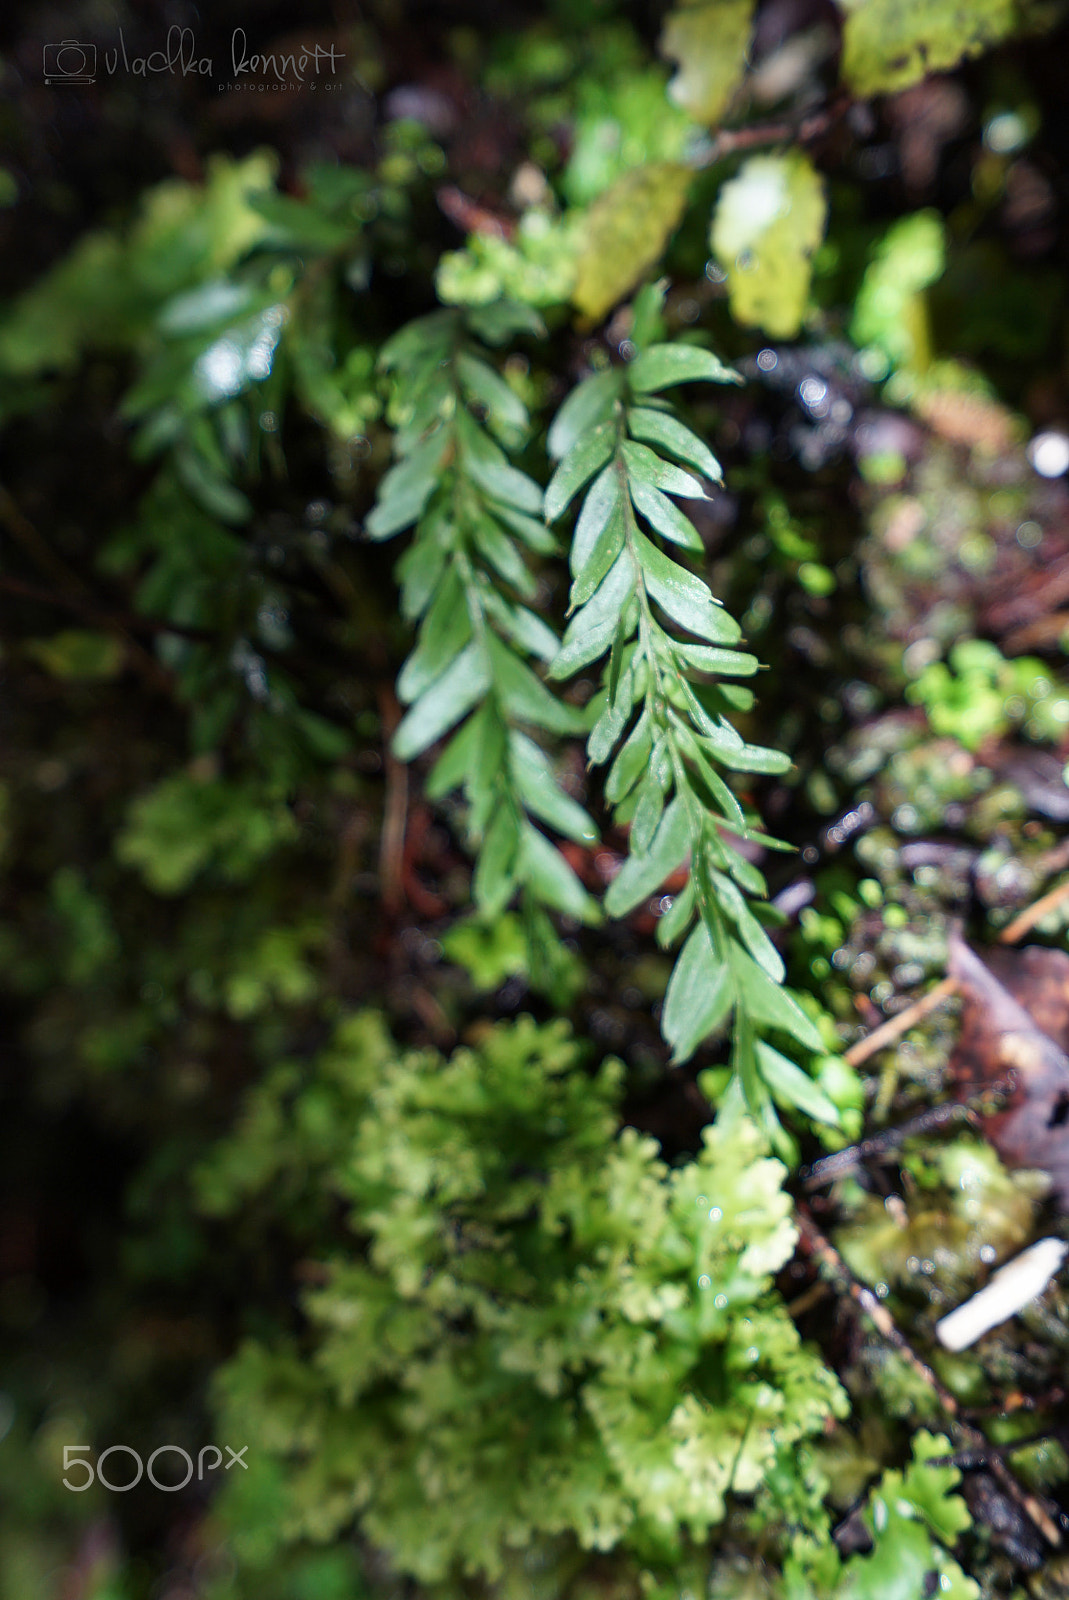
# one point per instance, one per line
(809, 1298)
(423, 901)
(432, 1016)
(982, 1457)
(53, 566)
(1016, 1401)
(1034, 913)
(970, 1110)
(828, 1168)
(395, 816)
(1054, 859)
(823, 1251)
(125, 621)
(35, 544)
(894, 1027)
(803, 131)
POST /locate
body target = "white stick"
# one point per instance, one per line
(1007, 1291)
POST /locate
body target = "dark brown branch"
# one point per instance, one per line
(126, 621)
(35, 544)
(395, 818)
(982, 1458)
(1040, 1512)
(1016, 1401)
(50, 565)
(802, 130)
(828, 1168)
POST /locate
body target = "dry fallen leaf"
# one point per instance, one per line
(1015, 1025)
(969, 419)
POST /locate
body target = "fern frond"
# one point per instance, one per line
(664, 714)
(467, 581)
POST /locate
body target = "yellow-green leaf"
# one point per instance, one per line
(627, 229)
(767, 223)
(79, 653)
(708, 42)
(889, 313)
(889, 44)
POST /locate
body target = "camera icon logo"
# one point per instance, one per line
(70, 62)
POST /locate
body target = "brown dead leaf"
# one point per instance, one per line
(1015, 1025)
(927, 117)
(1032, 595)
(1039, 777)
(968, 419)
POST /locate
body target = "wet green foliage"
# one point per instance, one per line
(538, 1330)
(631, 602)
(979, 695)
